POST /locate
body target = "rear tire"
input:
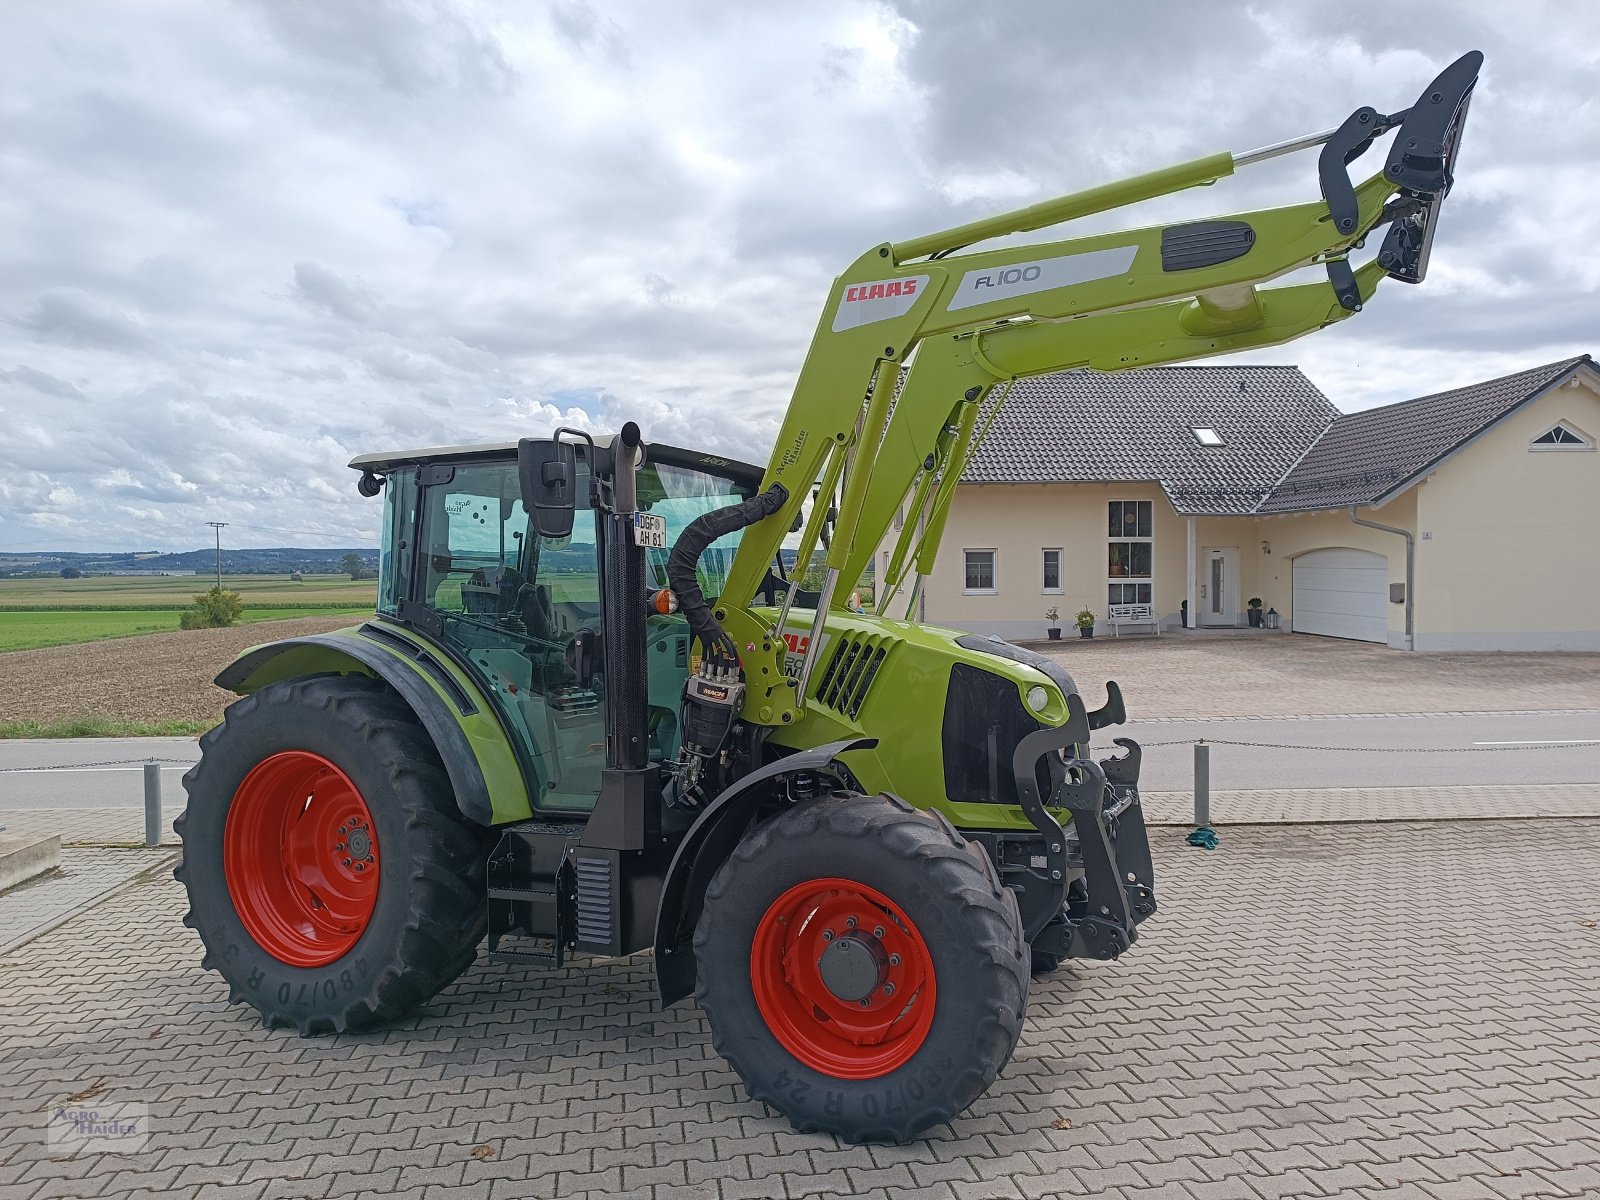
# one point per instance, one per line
(306, 791)
(862, 968)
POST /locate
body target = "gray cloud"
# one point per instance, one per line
(72, 318)
(244, 244)
(42, 382)
(324, 290)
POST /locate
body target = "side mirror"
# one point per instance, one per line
(548, 472)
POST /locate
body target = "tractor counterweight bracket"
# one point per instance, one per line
(1113, 712)
(1124, 769)
(1043, 745)
(1107, 928)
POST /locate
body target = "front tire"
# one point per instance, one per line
(862, 968)
(330, 874)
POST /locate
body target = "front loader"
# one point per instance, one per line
(596, 712)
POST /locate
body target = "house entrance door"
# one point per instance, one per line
(1219, 587)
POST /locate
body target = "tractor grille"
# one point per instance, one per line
(594, 899)
(983, 721)
(851, 670)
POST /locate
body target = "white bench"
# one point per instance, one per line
(1118, 615)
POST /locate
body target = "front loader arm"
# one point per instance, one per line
(917, 333)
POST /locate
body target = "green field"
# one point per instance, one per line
(174, 591)
(59, 612)
(61, 627)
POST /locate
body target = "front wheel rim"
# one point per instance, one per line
(300, 856)
(843, 978)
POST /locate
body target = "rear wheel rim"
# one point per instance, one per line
(843, 978)
(301, 858)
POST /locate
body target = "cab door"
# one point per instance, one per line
(524, 613)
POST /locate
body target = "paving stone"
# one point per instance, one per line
(1323, 1040)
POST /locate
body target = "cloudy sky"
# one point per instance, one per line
(241, 242)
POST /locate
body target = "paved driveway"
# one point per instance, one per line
(1294, 674)
(1316, 1011)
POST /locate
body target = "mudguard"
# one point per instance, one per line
(473, 744)
(709, 841)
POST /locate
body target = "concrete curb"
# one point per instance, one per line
(25, 856)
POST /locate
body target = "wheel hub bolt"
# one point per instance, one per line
(827, 935)
(340, 846)
(894, 960)
(850, 921)
(878, 932)
(361, 866)
(866, 1003)
(347, 862)
(888, 989)
(343, 829)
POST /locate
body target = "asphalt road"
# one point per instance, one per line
(1422, 751)
(1322, 752)
(71, 772)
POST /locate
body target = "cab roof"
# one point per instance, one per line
(658, 451)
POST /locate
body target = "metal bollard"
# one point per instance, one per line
(1202, 835)
(152, 803)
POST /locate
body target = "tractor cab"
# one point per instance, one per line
(463, 561)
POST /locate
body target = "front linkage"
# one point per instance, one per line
(1084, 889)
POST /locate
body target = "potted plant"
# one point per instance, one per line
(1255, 612)
(1053, 615)
(1085, 620)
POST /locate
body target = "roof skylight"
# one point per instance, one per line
(1207, 436)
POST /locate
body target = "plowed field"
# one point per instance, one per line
(154, 677)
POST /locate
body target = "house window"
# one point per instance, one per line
(1130, 552)
(980, 573)
(1052, 572)
(1561, 437)
(1207, 436)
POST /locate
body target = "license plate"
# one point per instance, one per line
(649, 531)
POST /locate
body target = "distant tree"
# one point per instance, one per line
(215, 607)
(71, 573)
(352, 566)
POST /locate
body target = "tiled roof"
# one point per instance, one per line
(1285, 447)
(1365, 456)
(1138, 426)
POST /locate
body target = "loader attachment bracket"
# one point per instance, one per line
(1348, 143)
(1421, 166)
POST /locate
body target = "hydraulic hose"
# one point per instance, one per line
(684, 581)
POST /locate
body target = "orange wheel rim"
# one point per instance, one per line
(843, 978)
(301, 859)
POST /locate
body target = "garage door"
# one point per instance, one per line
(1343, 594)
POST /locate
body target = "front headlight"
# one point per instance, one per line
(1038, 698)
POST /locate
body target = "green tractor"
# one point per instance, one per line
(596, 712)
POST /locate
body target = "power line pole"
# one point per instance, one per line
(218, 526)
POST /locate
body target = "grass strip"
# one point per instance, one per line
(90, 726)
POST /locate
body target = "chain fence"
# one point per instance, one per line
(1551, 745)
(115, 762)
(1202, 747)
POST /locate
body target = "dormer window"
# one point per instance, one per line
(1207, 436)
(1561, 436)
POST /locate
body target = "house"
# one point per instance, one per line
(1463, 520)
